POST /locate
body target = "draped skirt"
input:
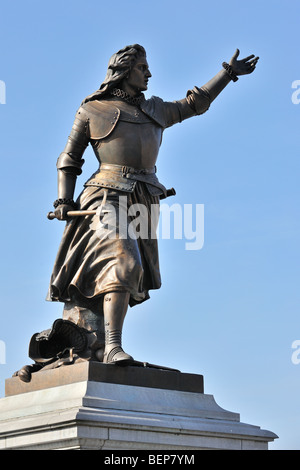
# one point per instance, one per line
(113, 251)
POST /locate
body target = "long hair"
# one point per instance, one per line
(119, 67)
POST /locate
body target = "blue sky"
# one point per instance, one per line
(229, 311)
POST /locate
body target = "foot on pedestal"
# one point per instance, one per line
(114, 354)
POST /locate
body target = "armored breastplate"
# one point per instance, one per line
(103, 116)
(123, 136)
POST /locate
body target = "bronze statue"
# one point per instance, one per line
(95, 275)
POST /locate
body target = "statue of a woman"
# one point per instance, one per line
(95, 274)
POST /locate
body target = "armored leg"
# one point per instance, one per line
(115, 307)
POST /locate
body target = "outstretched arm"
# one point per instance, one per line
(198, 100)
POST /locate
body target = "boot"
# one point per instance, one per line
(114, 308)
(113, 352)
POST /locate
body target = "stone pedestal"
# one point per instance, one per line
(95, 406)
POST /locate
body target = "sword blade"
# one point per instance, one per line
(80, 213)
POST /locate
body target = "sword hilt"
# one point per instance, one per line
(51, 215)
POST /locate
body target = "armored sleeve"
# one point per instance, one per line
(70, 160)
(198, 99)
(166, 114)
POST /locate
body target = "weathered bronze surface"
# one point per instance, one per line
(97, 275)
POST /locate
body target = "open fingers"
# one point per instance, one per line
(251, 61)
(250, 66)
(248, 58)
(236, 54)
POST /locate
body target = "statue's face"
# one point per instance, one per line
(139, 75)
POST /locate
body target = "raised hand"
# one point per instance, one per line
(244, 66)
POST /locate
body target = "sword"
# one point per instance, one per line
(51, 215)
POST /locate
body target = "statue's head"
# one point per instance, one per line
(120, 65)
(119, 68)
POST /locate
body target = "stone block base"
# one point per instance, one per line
(96, 406)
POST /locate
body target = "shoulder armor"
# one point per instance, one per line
(164, 113)
(102, 116)
(131, 113)
(154, 109)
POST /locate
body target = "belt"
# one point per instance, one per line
(124, 178)
(127, 170)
